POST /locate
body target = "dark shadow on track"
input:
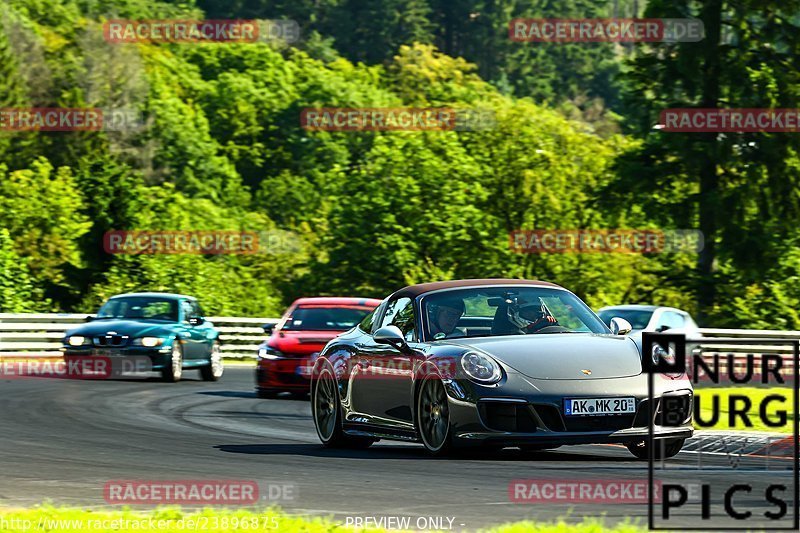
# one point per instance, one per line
(249, 414)
(414, 452)
(299, 396)
(229, 393)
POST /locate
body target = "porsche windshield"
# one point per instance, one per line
(482, 312)
(140, 307)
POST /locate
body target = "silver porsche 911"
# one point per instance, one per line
(494, 363)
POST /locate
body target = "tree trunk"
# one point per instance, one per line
(707, 153)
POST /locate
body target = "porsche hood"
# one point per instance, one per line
(562, 355)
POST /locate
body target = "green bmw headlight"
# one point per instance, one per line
(148, 342)
(78, 340)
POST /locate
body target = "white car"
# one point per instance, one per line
(652, 318)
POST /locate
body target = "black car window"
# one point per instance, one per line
(400, 313)
(140, 307)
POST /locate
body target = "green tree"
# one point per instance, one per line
(40, 207)
(18, 291)
(740, 189)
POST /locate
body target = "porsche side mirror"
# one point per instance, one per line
(392, 336)
(268, 328)
(196, 320)
(89, 318)
(620, 326)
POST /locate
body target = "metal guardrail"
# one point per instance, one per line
(27, 334)
(748, 343)
(31, 335)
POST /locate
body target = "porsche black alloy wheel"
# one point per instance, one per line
(327, 415)
(433, 416)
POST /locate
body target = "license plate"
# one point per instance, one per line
(599, 406)
(103, 352)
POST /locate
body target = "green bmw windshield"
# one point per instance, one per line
(140, 307)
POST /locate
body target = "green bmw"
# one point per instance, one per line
(169, 329)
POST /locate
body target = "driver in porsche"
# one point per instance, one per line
(444, 316)
(528, 317)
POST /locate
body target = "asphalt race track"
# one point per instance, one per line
(62, 440)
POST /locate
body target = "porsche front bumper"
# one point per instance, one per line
(522, 410)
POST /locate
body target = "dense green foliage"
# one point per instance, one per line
(364, 213)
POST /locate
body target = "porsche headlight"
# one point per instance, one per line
(481, 368)
(78, 340)
(148, 342)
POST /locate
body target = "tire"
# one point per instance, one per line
(174, 370)
(433, 416)
(327, 414)
(214, 370)
(664, 448)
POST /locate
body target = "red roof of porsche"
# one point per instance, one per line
(422, 288)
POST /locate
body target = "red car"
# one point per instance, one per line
(303, 331)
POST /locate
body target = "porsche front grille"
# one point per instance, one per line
(507, 416)
(518, 417)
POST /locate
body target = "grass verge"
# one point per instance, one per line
(174, 520)
(705, 397)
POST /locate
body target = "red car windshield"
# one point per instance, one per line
(324, 318)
